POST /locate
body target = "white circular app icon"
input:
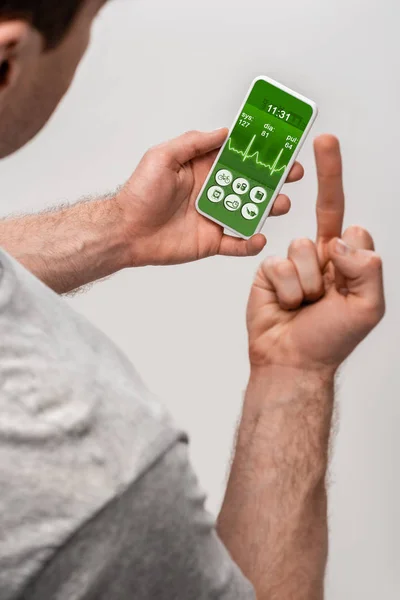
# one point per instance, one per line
(241, 186)
(232, 202)
(250, 211)
(224, 177)
(215, 194)
(258, 194)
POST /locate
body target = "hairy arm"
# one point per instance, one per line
(151, 220)
(71, 246)
(274, 517)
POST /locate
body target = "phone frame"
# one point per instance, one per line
(285, 173)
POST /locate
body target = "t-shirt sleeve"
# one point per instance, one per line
(155, 541)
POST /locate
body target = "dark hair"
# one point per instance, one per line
(52, 18)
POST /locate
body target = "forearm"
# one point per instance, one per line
(69, 247)
(274, 517)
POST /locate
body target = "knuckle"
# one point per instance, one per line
(257, 353)
(375, 262)
(239, 250)
(162, 154)
(150, 152)
(283, 268)
(374, 311)
(190, 140)
(357, 236)
(357, 230)
(374, 314)
(301, 244)
(290, 301)
(314, 292)
(156, 152)
(148, 158)
(360, 231)
(270, 263)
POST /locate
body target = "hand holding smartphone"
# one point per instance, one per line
(256, 158)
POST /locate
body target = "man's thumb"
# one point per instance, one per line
(362, 272)
(193, 144)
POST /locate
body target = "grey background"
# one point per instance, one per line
(157, 68)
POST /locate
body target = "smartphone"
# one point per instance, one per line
(256, 158)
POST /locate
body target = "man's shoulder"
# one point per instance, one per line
(77, 425)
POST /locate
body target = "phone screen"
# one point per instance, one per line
(255, 157)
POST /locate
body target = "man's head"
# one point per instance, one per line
(41, 45)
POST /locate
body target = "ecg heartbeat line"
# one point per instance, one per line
(256, 155)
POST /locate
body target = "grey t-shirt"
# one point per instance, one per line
(98, 499)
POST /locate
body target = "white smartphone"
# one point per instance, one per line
(257, 156)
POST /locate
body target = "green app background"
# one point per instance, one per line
(258, 150)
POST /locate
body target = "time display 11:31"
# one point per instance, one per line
(277, 111)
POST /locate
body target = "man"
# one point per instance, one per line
(98, 500)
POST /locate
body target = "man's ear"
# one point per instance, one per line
(14, 37)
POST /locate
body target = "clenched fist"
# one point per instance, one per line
(311, 309)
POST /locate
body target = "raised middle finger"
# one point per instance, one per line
(330, 201)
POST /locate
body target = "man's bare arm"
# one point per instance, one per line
(306, 314)
(151, 220)
(273, 519)
(69, 247)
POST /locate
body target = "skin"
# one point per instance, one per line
(72, 247)
(37, 80)
(306, 313)
(152, 220)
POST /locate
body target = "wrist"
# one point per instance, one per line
(132, 242)
(113, 234)
(293, 363)
(135, 243)
(315, 376)
(280, 385)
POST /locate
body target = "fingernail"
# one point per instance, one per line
(341, 247)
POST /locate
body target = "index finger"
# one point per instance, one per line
(330, 201)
